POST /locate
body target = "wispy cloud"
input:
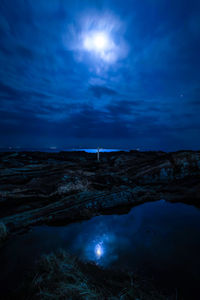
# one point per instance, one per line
(52, 88)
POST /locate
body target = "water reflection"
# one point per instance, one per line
(99, 248)
(159, 238)
(99, 251)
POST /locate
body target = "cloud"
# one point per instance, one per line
(53, 89)
(99, 91)
(123, 107)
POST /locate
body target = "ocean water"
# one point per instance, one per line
(55, 149)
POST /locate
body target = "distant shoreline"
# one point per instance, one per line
(52, 149)
(88, 150)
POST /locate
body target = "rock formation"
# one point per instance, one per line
(38, 187)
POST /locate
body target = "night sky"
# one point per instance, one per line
(116, 74)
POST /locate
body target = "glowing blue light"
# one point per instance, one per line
(97, 41)
(98, 250)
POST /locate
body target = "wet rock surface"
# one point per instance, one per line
(39, 187)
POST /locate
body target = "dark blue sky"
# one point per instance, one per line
(142, 90)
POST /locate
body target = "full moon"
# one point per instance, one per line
(97, 41)
(100, 41)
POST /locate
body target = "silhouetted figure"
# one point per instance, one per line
(98, 153)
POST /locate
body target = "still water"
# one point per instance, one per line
(158, 239)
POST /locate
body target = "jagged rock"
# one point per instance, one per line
(41, 187)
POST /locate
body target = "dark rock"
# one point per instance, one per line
(37, 187)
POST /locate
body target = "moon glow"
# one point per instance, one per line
(97, 41)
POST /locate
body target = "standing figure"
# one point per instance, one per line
(98, 153)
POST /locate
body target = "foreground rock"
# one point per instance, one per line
(38, 187)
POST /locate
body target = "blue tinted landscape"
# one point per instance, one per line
(99, 150)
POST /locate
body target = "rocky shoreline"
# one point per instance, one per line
(38, 187)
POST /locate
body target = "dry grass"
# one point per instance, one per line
(61, 276)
